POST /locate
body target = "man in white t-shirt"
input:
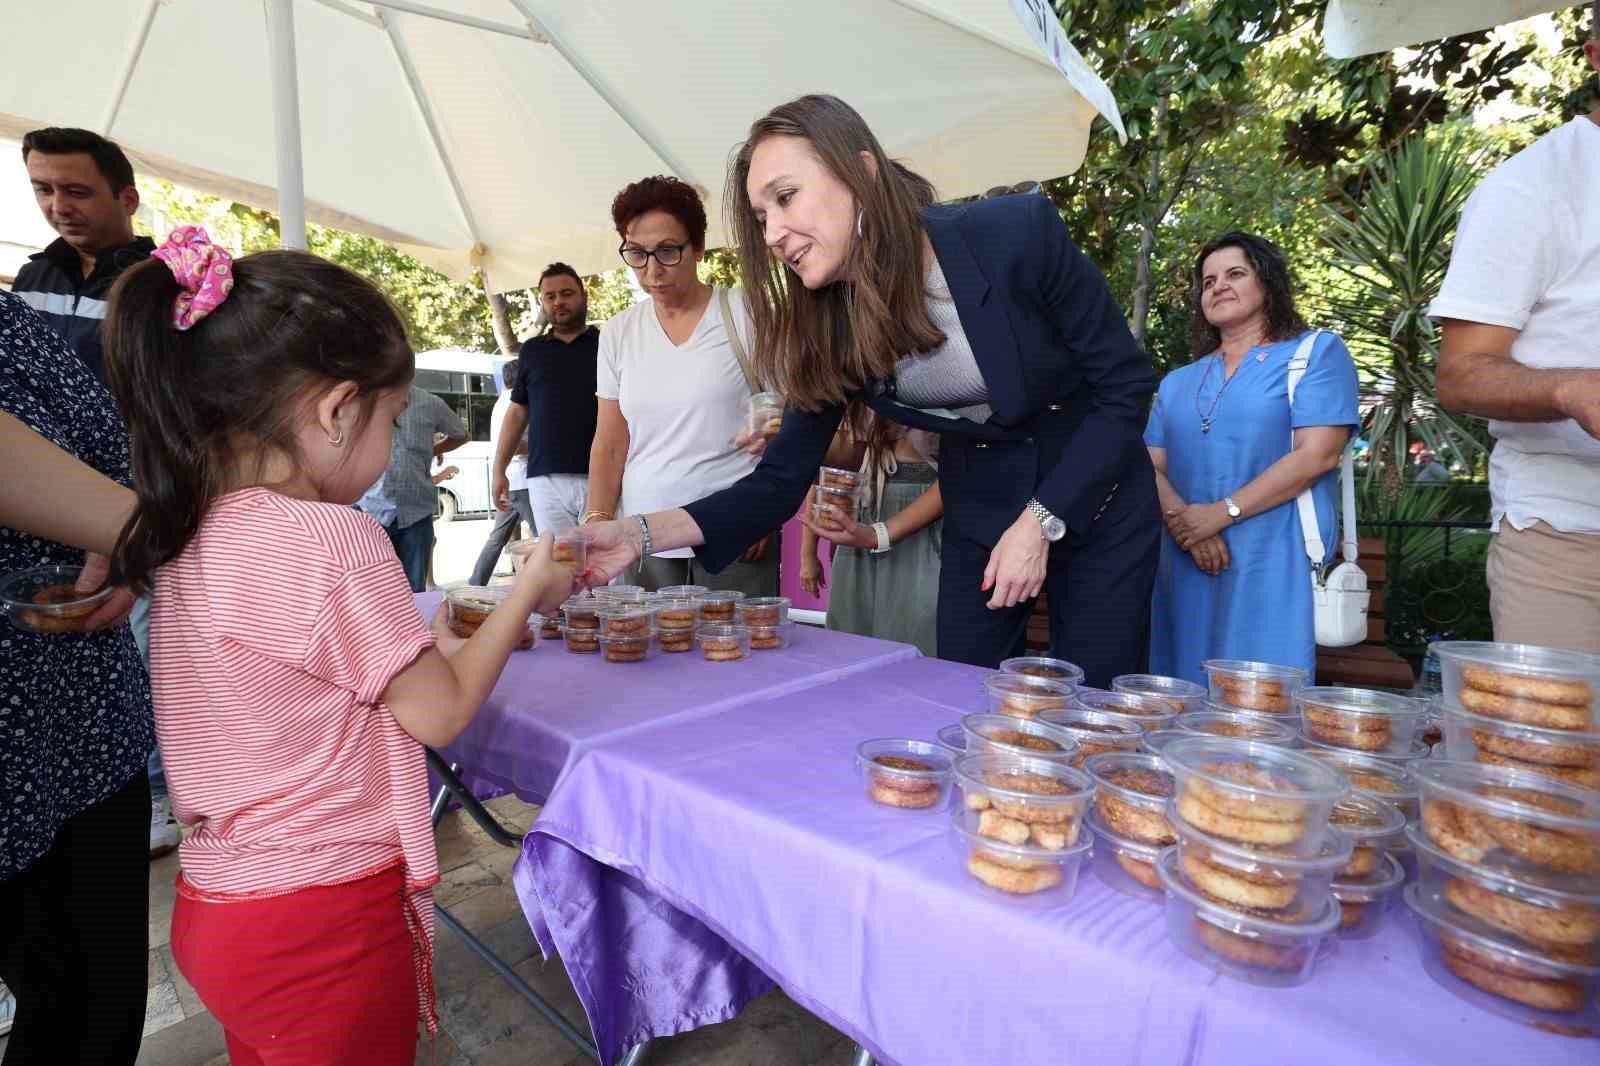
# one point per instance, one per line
(1521, 315)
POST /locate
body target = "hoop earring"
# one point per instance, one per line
(337, 440)
(860, 214)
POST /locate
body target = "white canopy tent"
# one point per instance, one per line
(1359, 27)
(493, 134)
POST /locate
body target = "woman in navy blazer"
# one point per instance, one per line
(1048, 485)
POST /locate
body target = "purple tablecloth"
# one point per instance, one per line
(670, 870)
(550, 704)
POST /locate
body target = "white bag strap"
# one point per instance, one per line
(1304, 503)
(731, 326)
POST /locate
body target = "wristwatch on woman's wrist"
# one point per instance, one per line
(882, 533)
(1233, 509)
(1052, 527)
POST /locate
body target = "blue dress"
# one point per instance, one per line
(1260, 606)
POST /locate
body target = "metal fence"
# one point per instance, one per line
(1436, 587)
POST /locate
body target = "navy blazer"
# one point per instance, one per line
(1068, 385)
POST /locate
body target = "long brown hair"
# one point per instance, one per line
(1272, 271)
(292, 322)
(818, 346)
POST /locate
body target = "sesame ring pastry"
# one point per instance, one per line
(1571, 693)
(1582, 776)
(1257, 892)
(1524, 711)
(1574, 927)
(1012, 879)
(1526, 751)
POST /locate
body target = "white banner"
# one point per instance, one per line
(1039, 18)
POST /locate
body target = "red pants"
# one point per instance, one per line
(318, 977)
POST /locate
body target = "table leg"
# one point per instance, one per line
(637, 1054)
(863, 1057)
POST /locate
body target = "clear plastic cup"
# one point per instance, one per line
(762, 611)
(1044, 666)
(1024, 801)
(1511, 980)
(1559, 754)
(1095, 731)
(830, 505)
(1363, 901)
(1131, 794)
(627, 649)
(1373, 827)
(43, 599)
(718, 606)
(837, 477)
(1151, 712)
(1287, 888)
(1242, 946)
(1521, 683)
(1253, 686)
(1541, 910)
(1181, 694)
(1255, 794)
(771, 638)
(580, 630)
(1021, 696)
(682, 592)
(468, 606)
(1360, 719)
(1046, 874)
(1236, 725)
(627, 621)
(622, 594)
(1369, 776)
(675, 620)
(1124, 864)
(571, 549)
(763, 415)
(1419, 749)
(720, 643)
(550, 627)
(908, 774)
(1500, 818)
(1004, 735)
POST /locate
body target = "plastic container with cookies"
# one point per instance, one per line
(1521, 683)
(550, 627)
(1259, 950)
(1043, 666)
(1031, 803)
(718, 605)
(1547, 912)
(1125, 864)
(1253, 686)
(1254, 794)
(1360, 719)
(909, 774)
(1095, 732)
(681, 592)
(1369, 776)
(720, 643)
(571, 549)
(762, 611)
(1510, 820)
(633, 649)
(763, 415)
(580, 627)
(1363, 901)
(1236, 725)
(1023, 696)
(1131, 796)
(771, 638)
(621, 594)
(1260, 881)
(675, 619)
(1002, 734)
(1559, 754)
(44, 599)
(1373, 826)
(468, 606)
(1181, 694)
(829, 505)
(1150, 712)
(1545, 989)
(837, 477)
(1045, 874)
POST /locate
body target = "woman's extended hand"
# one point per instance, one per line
(613, 547)
(115, 610)
(1211, 555)
(1198, 522)
(1016, 566)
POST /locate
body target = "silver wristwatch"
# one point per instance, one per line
(1053, 527)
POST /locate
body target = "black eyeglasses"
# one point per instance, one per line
(666, 254)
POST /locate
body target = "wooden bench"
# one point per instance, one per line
(1369, 664)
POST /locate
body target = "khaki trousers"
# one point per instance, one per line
(1544, 587)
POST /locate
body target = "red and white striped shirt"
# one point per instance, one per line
(272, 637)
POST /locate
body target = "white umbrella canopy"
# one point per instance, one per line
(1359, 27)
(499, 144)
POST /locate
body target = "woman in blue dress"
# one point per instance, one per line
(1231, 455)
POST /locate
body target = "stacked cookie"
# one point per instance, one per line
(1243, 685)
(1019, 827)
(1129, 819)
(836, 497)
(1249, 884)
(1527, 708)
(627, 632)
(909, 774)
(1362, 720)
(1508, 893)
(767, 618)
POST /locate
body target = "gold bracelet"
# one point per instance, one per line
(604, 516)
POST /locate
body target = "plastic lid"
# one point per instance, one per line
(986, 728)
(1431, 909)
(1520, 658)
(1090, 725)
(1248, 666)
(953, 737)
(1365, 771)
(853, 476)
(682, 591)
(1299, 776)
(1366, 819)
(1521, 731)
(1150, 710)
(1158, 685)
(1237, 725)
(935, 757)
(1227, 918)
(1044, 667)
(1028, 686)
(1389, 876)
(765, 601)
(477, 597)
(1106, 765)
(988, 773)
(722, 631)
(1361, 701)
(721, 596)
(573, 533)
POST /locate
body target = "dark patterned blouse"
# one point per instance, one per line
(75, 723)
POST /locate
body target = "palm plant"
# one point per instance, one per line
(1389, 252)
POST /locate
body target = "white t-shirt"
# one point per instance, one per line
(517, 468)
(1527, 257)
(684, 406)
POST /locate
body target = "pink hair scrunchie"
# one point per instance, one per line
(204, 270)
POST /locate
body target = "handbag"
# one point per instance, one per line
(1339, 596)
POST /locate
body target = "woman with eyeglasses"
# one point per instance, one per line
(673, 387)
(979, 321)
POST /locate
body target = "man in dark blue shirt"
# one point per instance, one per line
(555, 399)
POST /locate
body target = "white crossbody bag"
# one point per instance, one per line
(1339, 595)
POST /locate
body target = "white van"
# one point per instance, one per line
(469, 382)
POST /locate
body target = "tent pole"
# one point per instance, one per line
(135, 51)
(286, 123)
